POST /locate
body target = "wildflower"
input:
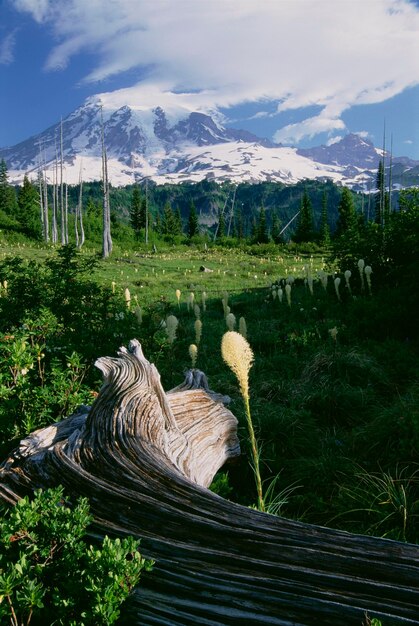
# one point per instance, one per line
(193, 353)
(171, 326)
(198, 331)
(368, 272)
(333, 333)
(347, 275)
(337, 283)
(231, 321)
(127, 297)
(190, 301)
(280, 294)
(178, 292)
(361, 265)
(204, 301)
(243, 327)
(138, 314)
(238, 355)
(197, 311)
(288, 293)
(323, 279)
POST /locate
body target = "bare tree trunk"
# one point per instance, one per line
(55, 201)
(106, 232)
(79, 213)
(62, 208)
(46, 208)
(66, 213)
(144, 458)
(146, 211)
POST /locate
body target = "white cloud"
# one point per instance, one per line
(332, 54)
(364, 134)
(408, 141)
(333, 140)
(7, 48)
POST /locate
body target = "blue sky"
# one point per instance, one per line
(301, 72)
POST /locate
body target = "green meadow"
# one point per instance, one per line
(333, 388)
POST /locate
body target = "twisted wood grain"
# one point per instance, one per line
(144, 458)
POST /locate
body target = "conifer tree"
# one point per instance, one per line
(305, 226)
(239, 223)
(276, 229)
(7, 192)
(324, 224)
(135, 212)
(28, 208)
(382, 200)
(348, 219)
(178, 222)
(169, 224)
(262, 229)
(193, 225)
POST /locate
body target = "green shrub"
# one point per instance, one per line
(50, 575)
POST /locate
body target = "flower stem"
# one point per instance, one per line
(255, 454)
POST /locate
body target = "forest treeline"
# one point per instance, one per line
(309, 211)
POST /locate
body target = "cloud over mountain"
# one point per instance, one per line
(335, 55)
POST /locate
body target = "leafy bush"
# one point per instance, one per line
(48, 573)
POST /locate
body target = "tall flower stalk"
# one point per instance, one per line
(238, 355)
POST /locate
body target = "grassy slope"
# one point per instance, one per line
(337, 420)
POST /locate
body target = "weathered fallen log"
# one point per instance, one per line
(144, 459)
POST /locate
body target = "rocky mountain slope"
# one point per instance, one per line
(176, 145)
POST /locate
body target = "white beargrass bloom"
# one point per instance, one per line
(243, 327)
(178, 293)
(193, 353)
(274, 293)
(198, 331)
(231, 321)
(333, 333)
(171, 327)
(204, 301)
(138, 314)
(127, 297)
(197, 311)
(323, 279)
(190, 301)
(310, 281)
(113, 283)
(337, 283)
(347, 275)
(280, 294)
(238, 355)
(288, 293)
(368, 272)
(361, 265)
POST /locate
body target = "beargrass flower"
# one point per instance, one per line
(127, 297)
(337, 283)
(361, 265)
(288, 293)
(193, 353)
(171, 327)
(238, 355)
(198, 331)
(231, 321)
(368, 272)
(243, 327)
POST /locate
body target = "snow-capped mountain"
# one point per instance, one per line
(176, 145)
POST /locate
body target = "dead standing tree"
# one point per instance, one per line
(144, 458)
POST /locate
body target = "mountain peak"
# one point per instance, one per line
(174, 144)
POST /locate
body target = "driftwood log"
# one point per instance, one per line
(145, 458)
